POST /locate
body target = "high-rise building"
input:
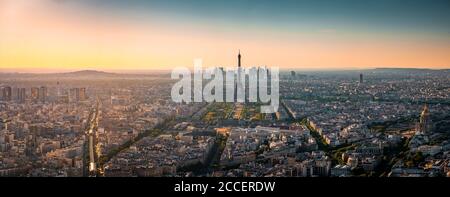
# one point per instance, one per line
(74, 95)
(77, 94)
(20, 95)
(23, 94)
(58, 89)
(15, 94)
(7, 93)
(361, 80)
(34, 94)
(82, 94)
(43, 94)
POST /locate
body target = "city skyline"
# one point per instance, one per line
(382, 123)
(159, 35)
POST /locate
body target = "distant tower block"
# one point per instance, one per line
(34, 93)
(21, 95)
(83, 95)
(43, 94)
(7, 93)
(361, 80)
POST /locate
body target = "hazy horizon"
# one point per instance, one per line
(164, 71)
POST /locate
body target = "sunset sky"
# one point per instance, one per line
(134, 35)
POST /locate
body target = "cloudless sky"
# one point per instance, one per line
(160, 34)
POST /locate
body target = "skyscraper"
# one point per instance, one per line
(23, 95)
(7, 93)
(43, 94)
(82, 94)
(34, 94)
(58, 89)
(361, 80)
(20, 95)
(74, 95)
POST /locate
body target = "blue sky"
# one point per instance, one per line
(389, 15)
(317, 34)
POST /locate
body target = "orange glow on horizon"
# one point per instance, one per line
(40, 36)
